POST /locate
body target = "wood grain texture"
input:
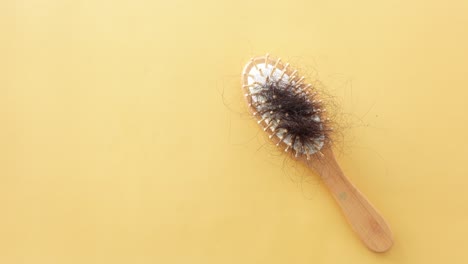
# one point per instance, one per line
(365, 220)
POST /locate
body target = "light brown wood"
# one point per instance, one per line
(362, 216)
(365, 220)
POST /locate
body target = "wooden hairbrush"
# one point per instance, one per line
(290, 111)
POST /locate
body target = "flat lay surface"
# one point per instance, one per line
(125, 137)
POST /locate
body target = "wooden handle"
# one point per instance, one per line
(363, 217)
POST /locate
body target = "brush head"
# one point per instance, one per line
(287, 108)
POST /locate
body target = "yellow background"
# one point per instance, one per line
(124, 137)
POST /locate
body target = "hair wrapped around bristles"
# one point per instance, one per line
(289, 109)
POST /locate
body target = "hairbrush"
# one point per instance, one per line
(291, 112)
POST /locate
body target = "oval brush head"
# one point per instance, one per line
(287, 108)
(290, 111)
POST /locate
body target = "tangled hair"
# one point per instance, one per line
(289, 109)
